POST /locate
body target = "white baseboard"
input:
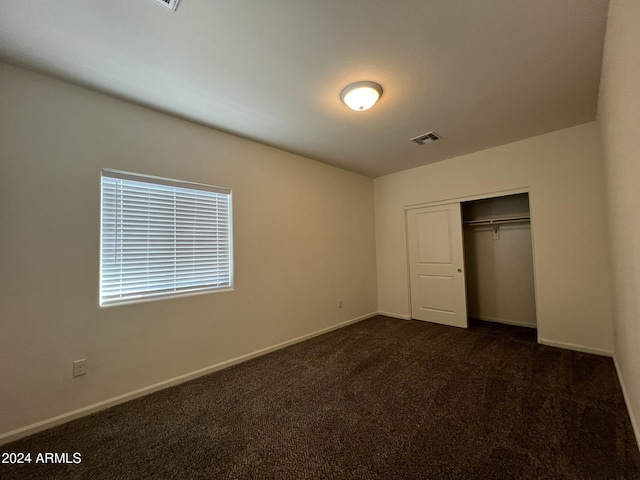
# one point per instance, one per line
(504, 321)
(576, 347)
(395, 315)
(627, 401)
(89, 409)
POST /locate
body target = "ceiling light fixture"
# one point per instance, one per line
(361, 96)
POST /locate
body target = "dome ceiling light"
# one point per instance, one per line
(361, 96)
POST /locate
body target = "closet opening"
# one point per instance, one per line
(498, 257)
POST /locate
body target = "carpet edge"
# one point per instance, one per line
(634, 423)
(576, 347)
(47, 423)
(395, 315)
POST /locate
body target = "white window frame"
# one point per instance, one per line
(161, 238)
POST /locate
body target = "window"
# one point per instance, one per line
(162, 238)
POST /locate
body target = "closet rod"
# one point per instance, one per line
(497, 221)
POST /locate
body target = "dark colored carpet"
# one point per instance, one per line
(381, 399)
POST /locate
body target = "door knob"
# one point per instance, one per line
(459, 270)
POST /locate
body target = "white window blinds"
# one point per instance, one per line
(162, 237)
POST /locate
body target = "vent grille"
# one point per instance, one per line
(425, 138)
(170, 4)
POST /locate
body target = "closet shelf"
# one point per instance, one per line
(498, 221)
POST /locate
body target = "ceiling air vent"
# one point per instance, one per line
(170, 4)
(426, 138)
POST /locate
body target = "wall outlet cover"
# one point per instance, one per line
(80, 367)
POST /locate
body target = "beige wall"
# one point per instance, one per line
(304, 237)
(562, 171)
(619, 120)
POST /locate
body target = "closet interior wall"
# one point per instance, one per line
(499, 261)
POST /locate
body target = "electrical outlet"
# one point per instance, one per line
(339, 303)
(80, 367)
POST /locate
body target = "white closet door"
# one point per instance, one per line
(436, 265)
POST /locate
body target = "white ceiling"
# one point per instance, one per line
(480, 73)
